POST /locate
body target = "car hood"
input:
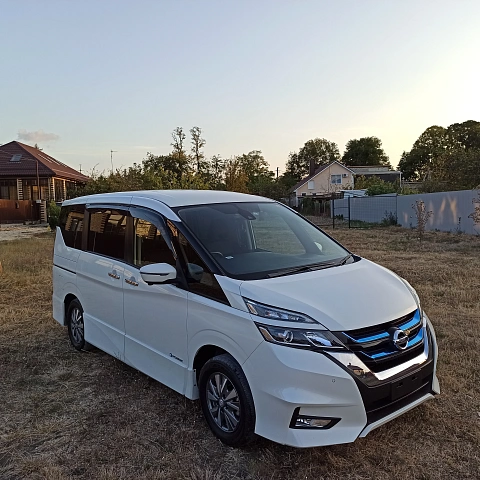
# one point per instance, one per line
(346, 297)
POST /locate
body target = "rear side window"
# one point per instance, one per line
(71, 225)
(106, 233)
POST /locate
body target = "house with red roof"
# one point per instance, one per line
(27, 174)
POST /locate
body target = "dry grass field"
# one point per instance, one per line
(71, 415)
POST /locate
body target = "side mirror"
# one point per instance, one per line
(158, 273)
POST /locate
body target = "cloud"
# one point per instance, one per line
(36, 137)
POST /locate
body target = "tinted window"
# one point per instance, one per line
(71, 225)
(149, 245)
(106, 234)
(199, 278)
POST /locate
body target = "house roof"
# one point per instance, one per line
(373, 170)
(26, 165)
(320, 169)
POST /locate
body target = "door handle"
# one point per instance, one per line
(131, 281)
(114, 275)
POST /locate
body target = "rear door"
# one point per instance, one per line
(100, 278)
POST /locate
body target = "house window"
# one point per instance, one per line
(336, 179)
(311, 184)
(8, 189)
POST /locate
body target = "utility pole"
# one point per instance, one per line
(111, 157)
(277, 173)
(80, 168)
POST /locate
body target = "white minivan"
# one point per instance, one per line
(241, 302)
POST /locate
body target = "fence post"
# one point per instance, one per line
(349, 197)
(333, 212)
(396, 209)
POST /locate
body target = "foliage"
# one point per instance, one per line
(475, 215)
(53, 214)
(422, 216)
(416, 164)
(445, 158)
(390, 219)
(457, 169)
(365, 151)
(248, 172)
(197, 144)
(375, 185)
(319, 150)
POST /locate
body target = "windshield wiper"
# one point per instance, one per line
(344, 260)
(310, 268)
(304, 268)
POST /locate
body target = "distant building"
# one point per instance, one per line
(382, 172)
(22, 167)
(324, 182)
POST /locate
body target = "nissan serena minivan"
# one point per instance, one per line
(242, 303)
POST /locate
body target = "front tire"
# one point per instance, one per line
(227, 401)
(76, 327)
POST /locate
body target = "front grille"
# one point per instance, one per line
(374, 346)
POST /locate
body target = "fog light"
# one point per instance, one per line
(308, 421)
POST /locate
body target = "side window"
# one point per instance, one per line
(149, 246)
(71, 225)
(106, 233)
(199, 278)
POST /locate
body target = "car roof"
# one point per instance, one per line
(172, 198)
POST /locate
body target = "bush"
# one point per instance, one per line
(53, 214)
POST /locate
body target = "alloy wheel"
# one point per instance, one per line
(223, 402)
(76, 325)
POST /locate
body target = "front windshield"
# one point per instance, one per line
(260, 240)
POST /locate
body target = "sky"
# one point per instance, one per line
(82, 78)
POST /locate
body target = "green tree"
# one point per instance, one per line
(197, 144)
(318, 150)
(365, 151)
(417, 163)
(456, 169)
(236, 179)
(176, 164)
(375, 186)
(465, 135)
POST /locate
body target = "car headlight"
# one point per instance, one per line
(300, 338)
(274, 313)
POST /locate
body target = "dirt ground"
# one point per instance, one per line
(12, 231)
(84, 415)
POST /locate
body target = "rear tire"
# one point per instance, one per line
(76, 327)
(227, 401)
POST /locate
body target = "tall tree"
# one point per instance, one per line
(174, 164)
(417, 163)
(197, 144)
(465, 135)
(365, 151)
(235, 177)
(319, 151)
(178, 141)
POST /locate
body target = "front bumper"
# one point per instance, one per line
(285, 379)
